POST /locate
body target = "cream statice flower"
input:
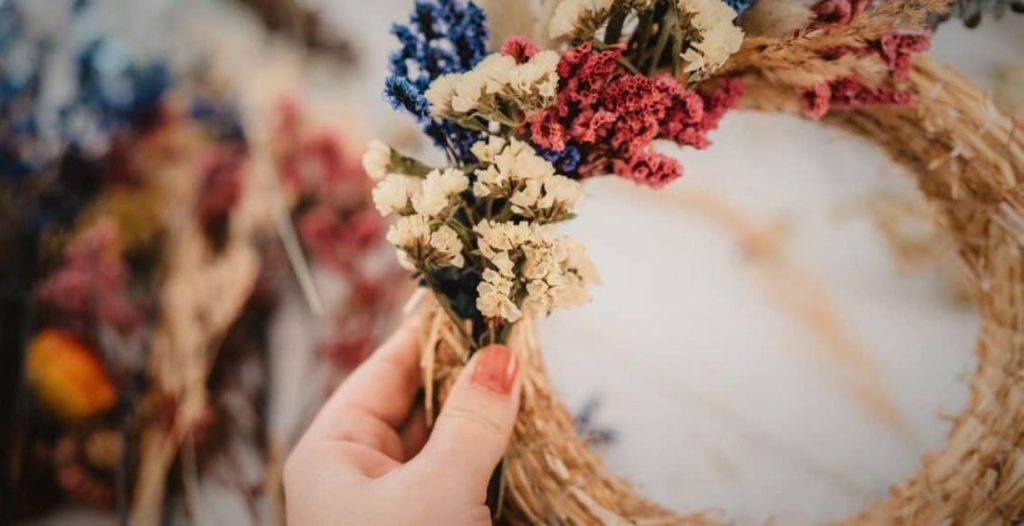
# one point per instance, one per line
(719, 37)
(513, 170)
(528, 266)
(393, 194)
(377, 160)
(440, 92)
(557, 274)
(409, 235)
(535, 83)
(485, 151)
(497, 79)
(574, 17)
(438, 192)
(446, 248)
(420, 248)
(494, 297)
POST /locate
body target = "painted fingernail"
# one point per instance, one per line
(496, 369)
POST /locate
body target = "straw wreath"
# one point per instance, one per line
(967, 158)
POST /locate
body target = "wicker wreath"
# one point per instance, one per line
(967, 158)
(479, 230)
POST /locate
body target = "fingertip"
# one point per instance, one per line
(495, 368)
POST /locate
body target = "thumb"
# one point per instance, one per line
(475, 424)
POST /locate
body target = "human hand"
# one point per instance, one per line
(367, 458)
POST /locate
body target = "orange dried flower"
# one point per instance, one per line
(68, 378)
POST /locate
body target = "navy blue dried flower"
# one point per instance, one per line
(565, 161)
(442, 36)
(739, 5)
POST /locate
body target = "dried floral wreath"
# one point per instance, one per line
(521, 127)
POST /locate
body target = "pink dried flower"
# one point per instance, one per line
(849, 92)
(816, 100)
(649, 167)
(837, 12)
(519, 48)
(612, 117)
(91, 281)
(897, 49)
(338, 242)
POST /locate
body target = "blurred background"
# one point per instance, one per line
(778, 334)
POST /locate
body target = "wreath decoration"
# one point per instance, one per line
(522, 127)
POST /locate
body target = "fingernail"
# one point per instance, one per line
(496, 369)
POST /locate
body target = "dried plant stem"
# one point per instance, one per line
(203, 293)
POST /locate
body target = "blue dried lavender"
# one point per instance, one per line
(442, 36)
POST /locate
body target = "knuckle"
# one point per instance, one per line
(475, 419)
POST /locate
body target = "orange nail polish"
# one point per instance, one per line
(496, 369)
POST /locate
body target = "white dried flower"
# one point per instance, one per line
(496, 79)
(440, 92)
(515, 171)
(525, 198)
(377, 160)
(472, 91)
(438, 190)
(409, 234)
(534, 84)
(720, 38)
(392, 195)
(447, 248)
(495, 236)
(418, 247)
(558, 273)
(527, 263)
(572, 17)
(494, 297)
(560, 192)
(485, 151)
